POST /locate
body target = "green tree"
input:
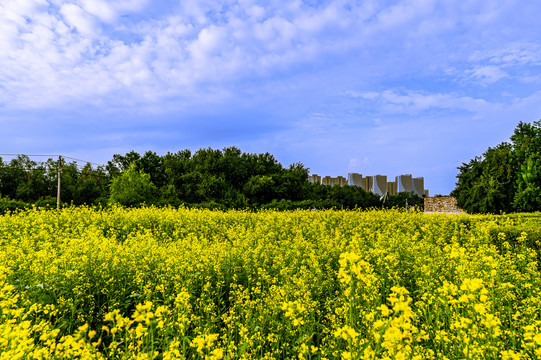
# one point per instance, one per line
(259, 189)
(70, 178)
(123, 162)
(527, 152)
(91, 186)
(175, 165)
(14, 175)
(528, 194)
(403, 199)
(292, 183)
(505, 178)
(132, 188)
(152, 164)
(486, 184)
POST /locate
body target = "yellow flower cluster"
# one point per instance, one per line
(168, 283)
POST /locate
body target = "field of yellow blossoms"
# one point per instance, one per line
(155, 283)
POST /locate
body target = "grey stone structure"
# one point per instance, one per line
(442, 204)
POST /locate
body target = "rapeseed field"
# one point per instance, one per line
(155, 283)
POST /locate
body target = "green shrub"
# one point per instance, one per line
(10, 205)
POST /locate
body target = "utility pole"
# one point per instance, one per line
(58, 189)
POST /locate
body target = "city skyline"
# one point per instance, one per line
(376, 184)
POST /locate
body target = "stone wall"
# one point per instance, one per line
(443, 204)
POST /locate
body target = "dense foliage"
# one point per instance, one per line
(505, 178)
(207, 178)
(197, 284)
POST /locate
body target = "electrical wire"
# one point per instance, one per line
(62, 156)
(88, 162)
(43, 165)
(28, 155)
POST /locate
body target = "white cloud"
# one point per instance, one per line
(16, 10)
(391, 101)
(198, 11)
(519, 54)
(315, 22)
(488, 74)
(356, 163)
(255, 12)
(209, 43)
(85, 49)
(514, 61)
(79, 19)
(108, 11)
(404, 12)
(276, 34)
(101, 9)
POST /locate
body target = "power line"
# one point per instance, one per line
(46, 166)
(28, 155)
(51, 170)
(65, 157)
(31, 169)
(88, 162)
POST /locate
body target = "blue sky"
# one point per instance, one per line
(374, 87)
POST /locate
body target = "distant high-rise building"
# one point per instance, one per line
(331, 181)
(355, 179)
(340, 180)
(404, 183)
(326, 181)
(379, 186)
(315, 178)
(419, 186)
(391, 188)
(367, 183)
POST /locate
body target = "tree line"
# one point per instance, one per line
(208, 177)
(506, 178)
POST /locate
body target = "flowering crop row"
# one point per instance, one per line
(196, 284)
